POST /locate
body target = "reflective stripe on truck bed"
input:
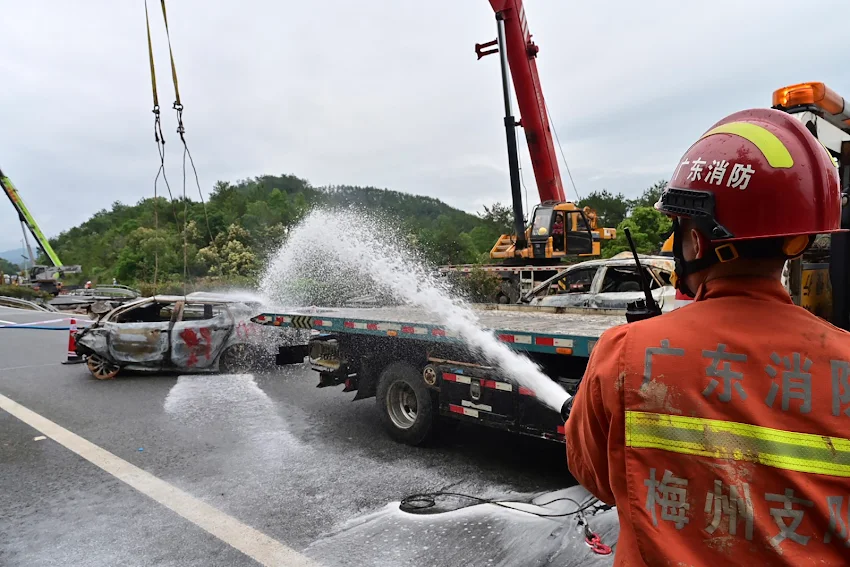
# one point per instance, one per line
(564, 344)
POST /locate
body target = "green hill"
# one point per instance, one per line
(247, 221)
(7, 267)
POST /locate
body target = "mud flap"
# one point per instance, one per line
(367, 377)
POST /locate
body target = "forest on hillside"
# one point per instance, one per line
(230, 238)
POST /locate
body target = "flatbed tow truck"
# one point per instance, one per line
(419, 370)
(421, 373)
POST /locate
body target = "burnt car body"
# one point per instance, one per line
(192, 333)
(607, 284)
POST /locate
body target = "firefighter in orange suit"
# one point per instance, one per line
(720, 430)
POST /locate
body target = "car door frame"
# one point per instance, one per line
(581, 298)
(604, 270)
(215, 349)
(114, 328)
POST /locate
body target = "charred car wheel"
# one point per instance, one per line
(237, 359)
(101, 368)
(405, 404)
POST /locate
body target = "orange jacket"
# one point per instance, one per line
(720, 432)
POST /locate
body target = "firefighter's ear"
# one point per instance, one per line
(696, 242)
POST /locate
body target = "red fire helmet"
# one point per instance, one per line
(756, 174)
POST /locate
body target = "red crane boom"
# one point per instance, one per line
(522, 55)
(558, 228)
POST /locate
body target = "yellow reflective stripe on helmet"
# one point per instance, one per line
(717, 439)
(774, 151)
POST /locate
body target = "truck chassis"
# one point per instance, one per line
(422, 373)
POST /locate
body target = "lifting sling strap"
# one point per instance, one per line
(181, 131)
(178, 106)
(157, 129)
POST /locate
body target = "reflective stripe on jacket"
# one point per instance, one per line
(720, 431)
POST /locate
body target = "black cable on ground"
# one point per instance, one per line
(416, 503)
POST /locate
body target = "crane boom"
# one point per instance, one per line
(28, 220)
(558, 228)
(522, 55)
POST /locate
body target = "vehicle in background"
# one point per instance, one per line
(558, 229)
(29, 305)
(39, 277)
(516, 281)
(193, 333)
(82, 300)
(820, 280)
(607, 284)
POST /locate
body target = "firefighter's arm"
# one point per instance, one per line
(589, 424)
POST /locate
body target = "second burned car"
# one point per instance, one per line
(607, 284)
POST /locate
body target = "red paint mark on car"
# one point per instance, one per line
(197, 345)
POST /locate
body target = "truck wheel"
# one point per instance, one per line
(101, 368)
(405, 404)
(509, 292)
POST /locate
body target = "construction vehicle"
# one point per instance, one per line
(42, 277)
(820, 279)
(558, 228)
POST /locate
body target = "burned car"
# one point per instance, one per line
(193, 333)
(607, 284)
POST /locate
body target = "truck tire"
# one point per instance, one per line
(508, 292)
(405, 404)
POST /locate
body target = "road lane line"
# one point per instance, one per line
(7, 322)
(30, 366)
(251, 542)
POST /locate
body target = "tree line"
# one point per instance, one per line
(243, 223)
(649, 228)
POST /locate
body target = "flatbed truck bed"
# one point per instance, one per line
(421, 372)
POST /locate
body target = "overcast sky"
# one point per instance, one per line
(379, 92)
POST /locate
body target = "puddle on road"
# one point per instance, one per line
(307, 476)
(232, 405)
(482, 535)
(218, 397)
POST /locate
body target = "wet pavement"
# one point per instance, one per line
(307, 467)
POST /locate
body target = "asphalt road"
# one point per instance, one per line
(306, 467)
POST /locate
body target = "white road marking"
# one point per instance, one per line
(30, 366)
(42, 322)
(7, 322)
(251, 542)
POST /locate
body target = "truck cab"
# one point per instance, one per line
(820, 280)
(557, 230)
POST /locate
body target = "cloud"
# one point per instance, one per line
(378, 93)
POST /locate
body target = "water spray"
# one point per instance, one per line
(338, 252)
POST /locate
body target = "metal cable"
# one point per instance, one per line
(564, 157)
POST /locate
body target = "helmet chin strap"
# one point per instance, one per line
(789, 248)
(684, 268)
